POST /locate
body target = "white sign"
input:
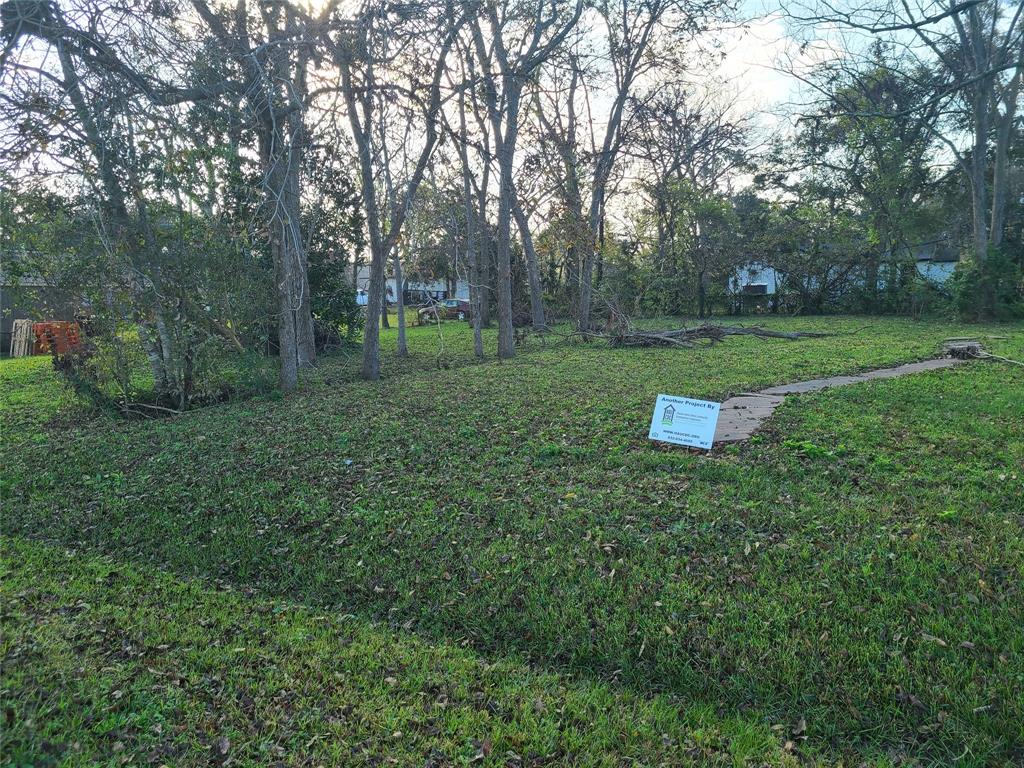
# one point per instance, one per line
(684, 421)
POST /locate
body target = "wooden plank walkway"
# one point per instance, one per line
(741, 416)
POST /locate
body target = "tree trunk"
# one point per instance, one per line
(281, 142)
(532, 268)
(403, 349)
(385, 319)
(701, 294)
(979, 197)
(506, 148)
(606, 160)
(473, 238)
(287, 348)
(973, 36)
(484, 248)
(281, 196)
(591, 242)
(475, 287)
(156, 362)
(477, 308)
(477, 284)
(979, 182)
(572, 271)
(485, 263)
(586, 282)
(375, 289)
(503, 256)
(1001, 160)
(374, 299)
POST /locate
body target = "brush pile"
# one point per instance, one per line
(691, 337)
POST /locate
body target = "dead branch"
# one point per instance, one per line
(708, 333)
(620, 332)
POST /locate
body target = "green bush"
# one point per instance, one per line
(335, 309)
(110, 372)
(994, 289)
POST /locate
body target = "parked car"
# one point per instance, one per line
(445, 309)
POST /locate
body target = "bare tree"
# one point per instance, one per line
(385, 52)
(637, 38)
(520, 37)
(690, 147)
(274, 80)
(532, 266)
(475, 217)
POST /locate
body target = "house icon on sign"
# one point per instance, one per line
(668, 415)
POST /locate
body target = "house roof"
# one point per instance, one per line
(937, 250)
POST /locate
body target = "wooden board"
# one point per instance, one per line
(22, 338)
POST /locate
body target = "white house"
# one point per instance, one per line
(934, 261)
(416, 291)
(754, 279)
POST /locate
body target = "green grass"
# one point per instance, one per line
(856, 567)
(109, 662)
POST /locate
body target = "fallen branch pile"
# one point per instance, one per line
(688, 337)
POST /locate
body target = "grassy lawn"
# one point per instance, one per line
(489, 564)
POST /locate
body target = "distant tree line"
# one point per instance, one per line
(212, 178)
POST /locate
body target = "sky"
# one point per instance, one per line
(756, 54)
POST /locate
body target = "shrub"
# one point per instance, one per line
(110, 372)
(78, 370)
(994, 289)
(338, 317)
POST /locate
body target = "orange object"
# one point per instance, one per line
(59, 335)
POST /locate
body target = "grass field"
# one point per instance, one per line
(489, 564)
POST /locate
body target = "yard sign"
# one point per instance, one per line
(683, 421)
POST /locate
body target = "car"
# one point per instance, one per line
(445, 309)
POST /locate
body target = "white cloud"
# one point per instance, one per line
(759, 61)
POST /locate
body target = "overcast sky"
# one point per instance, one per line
(757, 52)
